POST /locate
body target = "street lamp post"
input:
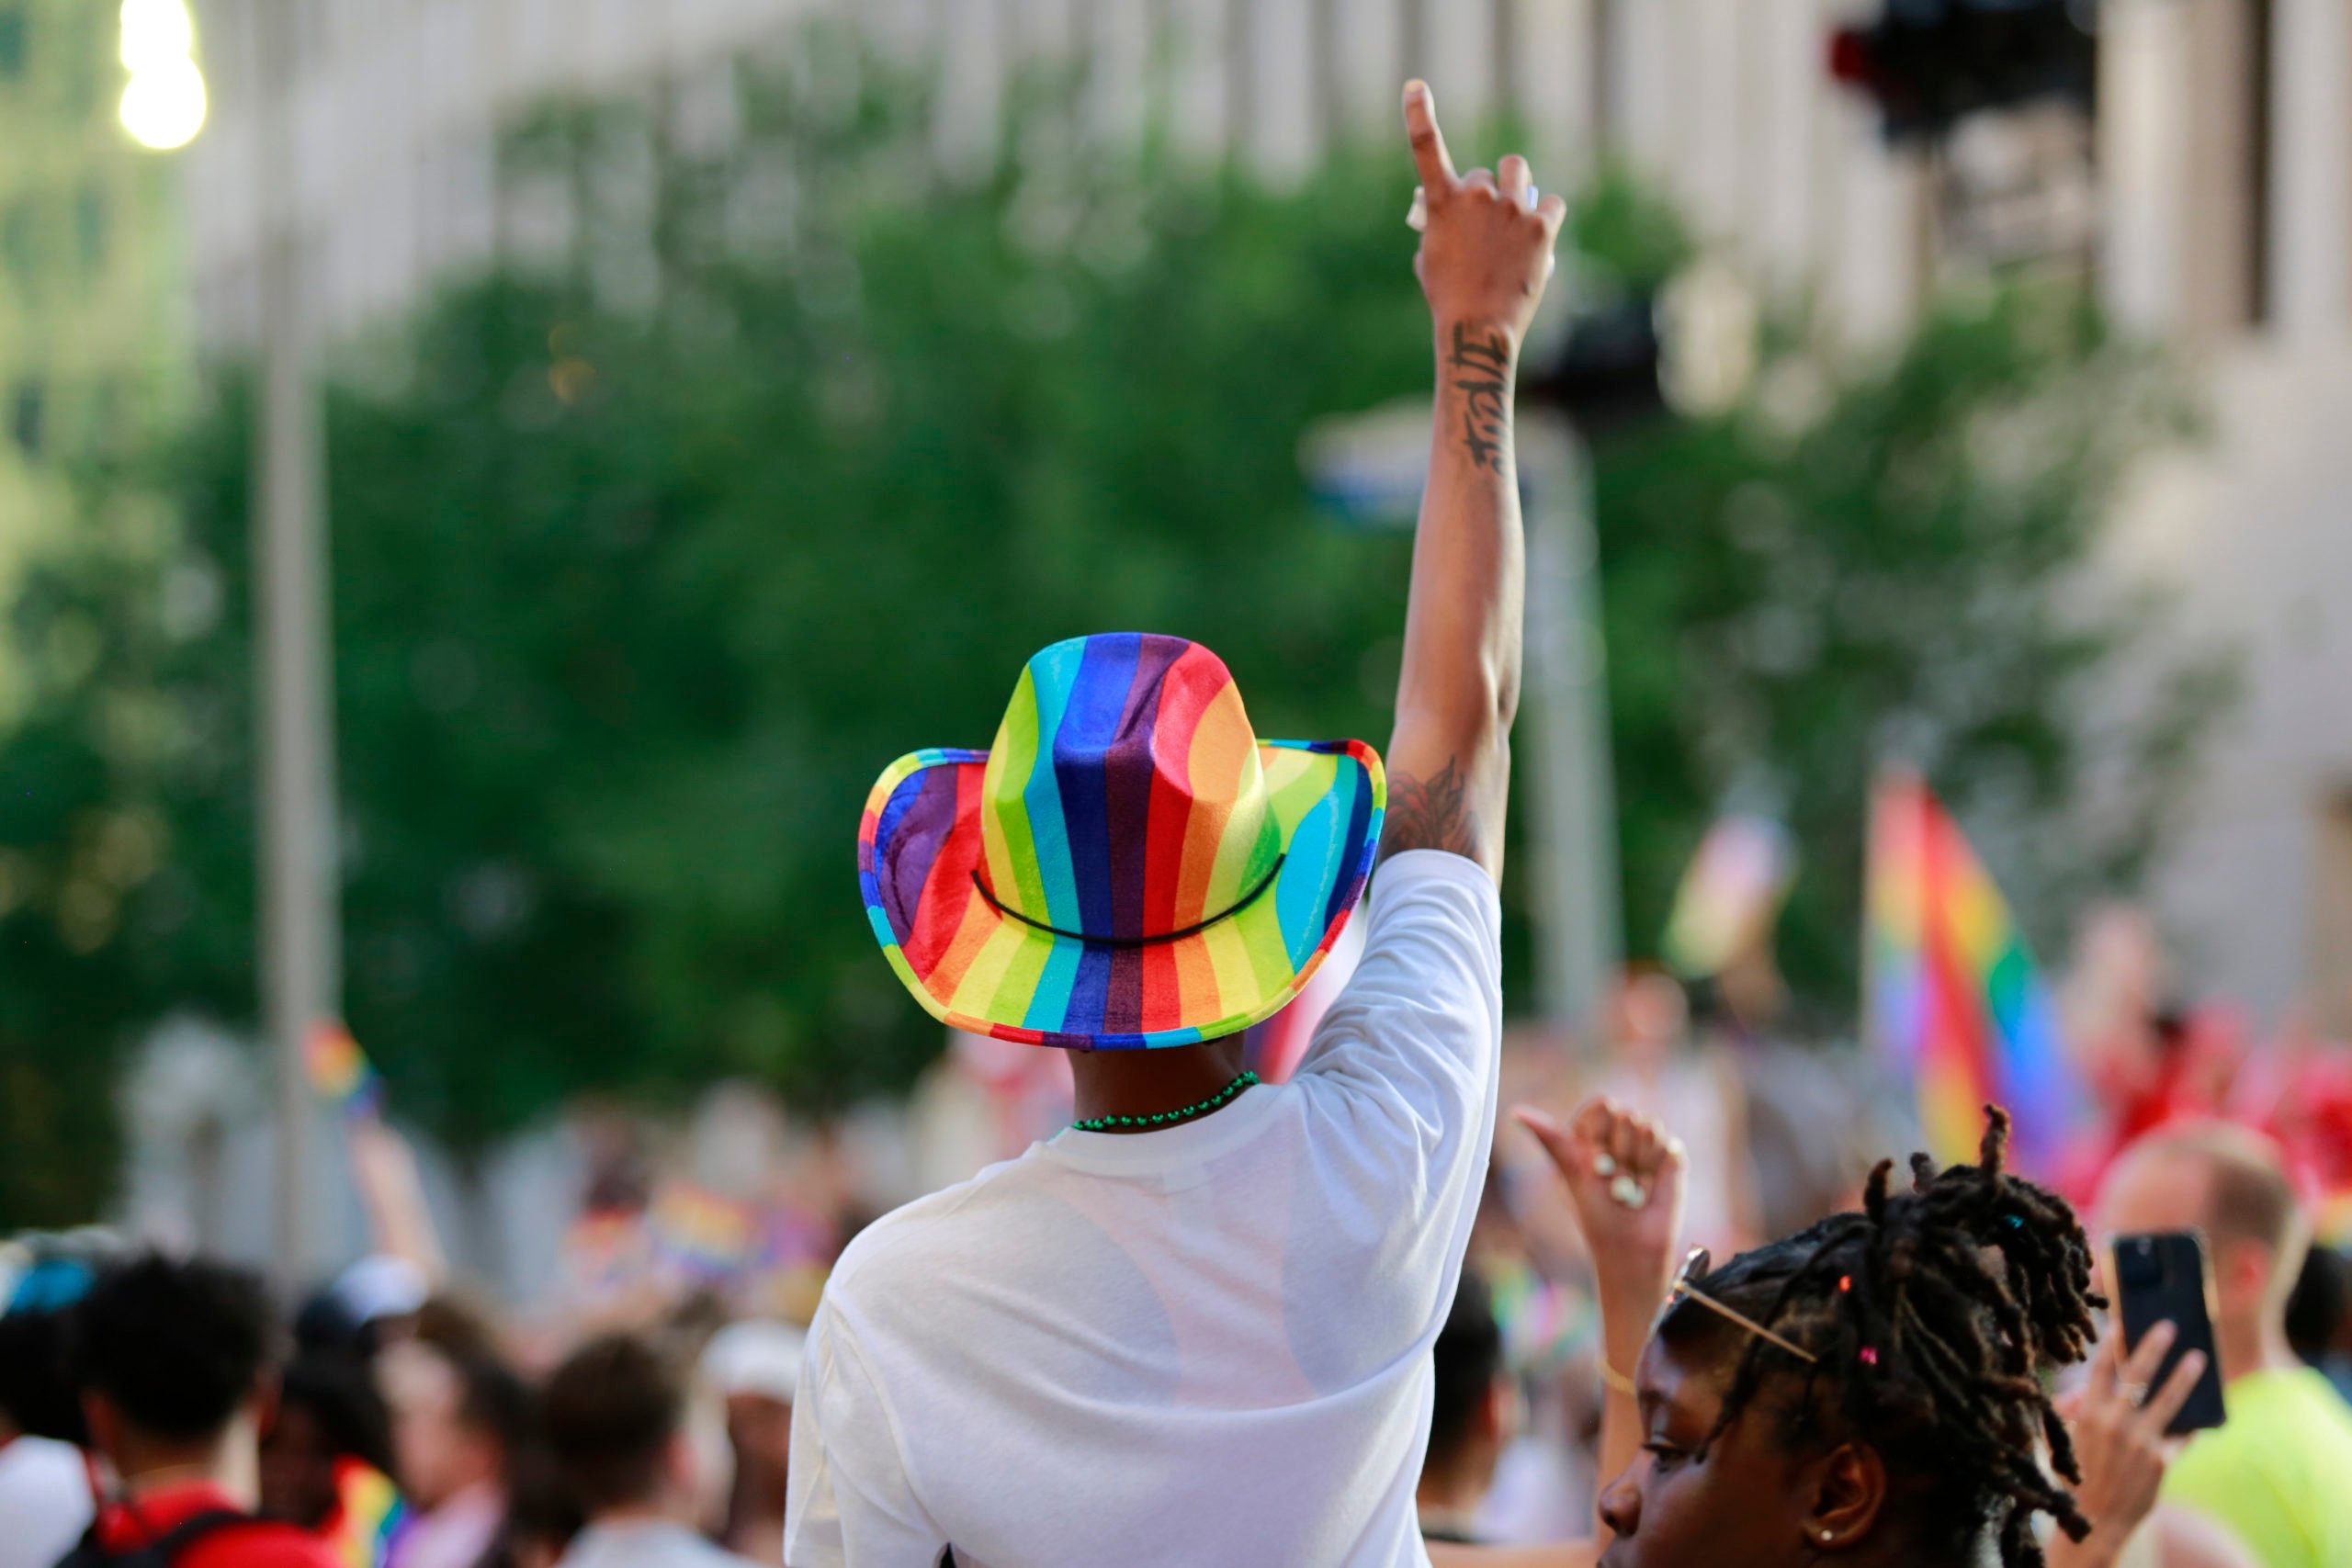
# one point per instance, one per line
(1579, 934)
(1370, 468)
(301, 928)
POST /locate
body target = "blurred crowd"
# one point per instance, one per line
(147, 1401)
(389, 1421)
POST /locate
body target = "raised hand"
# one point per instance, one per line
(1486, 252)
(1625, 1175)
(2118, 1422)
(1486, 240)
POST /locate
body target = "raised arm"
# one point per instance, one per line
(1486, 254)
(1627, 1177)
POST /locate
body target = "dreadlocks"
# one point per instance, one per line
(1933, 1313)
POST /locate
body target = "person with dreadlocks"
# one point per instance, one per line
(1869, 1391)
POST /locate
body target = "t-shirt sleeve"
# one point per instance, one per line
(1406, 1056)
(847, 1497)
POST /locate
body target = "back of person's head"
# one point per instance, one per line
(38, 1396)
(1927, 1321)
(172, 1349)
(2318, 1311)
(37, 1391)
(1466, 1363)
(328, 1415)
(2228, 1182)
(613, 1411)
(542, 1515)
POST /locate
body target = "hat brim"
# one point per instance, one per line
(975, 968)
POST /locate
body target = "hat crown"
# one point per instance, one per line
(1123, 798)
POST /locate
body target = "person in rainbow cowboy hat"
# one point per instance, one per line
(1195, 1328)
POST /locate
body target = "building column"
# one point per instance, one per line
(2311, 167)
(2142, 85)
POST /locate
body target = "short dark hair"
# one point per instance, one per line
(2317, 1309)
(176, 1346)
(494, 1401)
(1466, 1360)
(341, 1397)
(611, 1409)
(35, 1387)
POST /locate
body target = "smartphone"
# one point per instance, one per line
(2160, 1276)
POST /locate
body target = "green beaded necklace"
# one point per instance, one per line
(1167, 1118)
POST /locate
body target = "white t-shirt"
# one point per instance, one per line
(44, 1501)
(1204, 1345)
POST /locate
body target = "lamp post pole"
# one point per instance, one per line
(1580, 936)
(1370, 468)
(300, 927)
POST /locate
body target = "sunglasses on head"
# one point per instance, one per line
(1694, 1266)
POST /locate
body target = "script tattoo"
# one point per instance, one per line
(1430, 814)
(1481, 362)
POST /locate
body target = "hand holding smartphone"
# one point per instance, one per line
(2164, 1277)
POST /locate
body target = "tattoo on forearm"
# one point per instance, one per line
(1481, 366)
(1431, 814)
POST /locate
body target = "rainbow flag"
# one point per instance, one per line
(699, 1233)
(1731, 894)
(368, 1513)
(339, 1071)
(1952, 999)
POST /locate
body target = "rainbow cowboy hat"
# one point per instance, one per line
(1128, 866)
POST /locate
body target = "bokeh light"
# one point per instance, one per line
(155, 32)
(164, 105)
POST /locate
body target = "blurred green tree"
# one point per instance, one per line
(1892, 561)
(646, 560)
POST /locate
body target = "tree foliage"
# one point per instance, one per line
(1894, 567)
(647, 558)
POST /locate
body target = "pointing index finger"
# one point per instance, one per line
(1429, 143)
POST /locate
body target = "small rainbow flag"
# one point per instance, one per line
(1952, 999)
(339, 1071)
(699, 1233)
(1731, 894)
(368, 1513)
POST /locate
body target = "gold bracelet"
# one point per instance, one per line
(1614, 1380)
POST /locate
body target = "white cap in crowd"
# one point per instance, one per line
(755, 1357)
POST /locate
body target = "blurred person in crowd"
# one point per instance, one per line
(48, 1492)
(373, 1304)
(755, 1367)
(174, 1364)
(460, 1417)
(1193, 1327)
(2318, 1316)
(1474, 1412)
(2145, 1061)
(542, 1514)
(326, 1458)
(2275, 1473)
(648, 1466)
(1853, 1392)
(1656, 1070)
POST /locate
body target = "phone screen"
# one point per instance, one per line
(2161, 1277)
